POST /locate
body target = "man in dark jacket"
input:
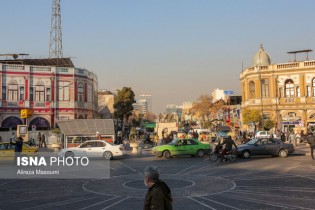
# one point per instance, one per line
(228, 142)
(18, 147)
(311, 141)
(159, 195)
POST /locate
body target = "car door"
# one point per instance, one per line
(85, 150)
(192, 147)
(180, 147)
(258, 148)
(272, 147)
(99, 149)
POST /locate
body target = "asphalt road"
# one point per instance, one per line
(196, 183)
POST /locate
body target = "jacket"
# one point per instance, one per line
(158, 197)
(229, 144)
(311, 140)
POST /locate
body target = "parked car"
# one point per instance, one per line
(7, 151)
(182, 147)
(94, 149)
(263, 134)
(265, 146)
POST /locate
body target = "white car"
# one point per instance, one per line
(94, 149)
(263, 134)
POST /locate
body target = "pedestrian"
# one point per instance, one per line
(39, 140)
(282, 136)
(0, 139)
(291, 138)
(156, 139)
(43, 140)
(18, 147)
(159, 195)
(311, 141)
(13, 137)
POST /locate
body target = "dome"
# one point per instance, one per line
(261, 58)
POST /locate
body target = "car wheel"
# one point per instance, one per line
(108, 155)
(246, 154)
(213, 157)
(233, 156)
(200, 153)
(167, 154)
(69, 154)
(283, 153)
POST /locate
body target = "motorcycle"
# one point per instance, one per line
(216, 154)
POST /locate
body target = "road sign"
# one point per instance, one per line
(23, 113)
(228, 92)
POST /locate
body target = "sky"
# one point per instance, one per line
(175, 50)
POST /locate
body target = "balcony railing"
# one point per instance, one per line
(289, 100)
(39, 104)
(12, 104)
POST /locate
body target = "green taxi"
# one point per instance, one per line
(182, 147)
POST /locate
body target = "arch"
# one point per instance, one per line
(11, 122)
(289, 88)
(252, 90)
(40, 122)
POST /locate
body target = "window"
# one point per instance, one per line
(63, 91)
(280, 92)
(265, 88)
(48, 98)
(313, 86)
(298, 92)
(31, 94)
(289, 88)
(13, 93)
(90, 93)
(251, 89)
(4, 93)
(39, 93)
(308, 91)
(80, 92)
(21, 93)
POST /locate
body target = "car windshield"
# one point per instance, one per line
(252, 142)
(172, 142)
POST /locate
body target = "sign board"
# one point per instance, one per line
(26, 113)
(33, 127)
(228, 92)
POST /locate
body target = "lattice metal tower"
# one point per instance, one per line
(55, 43)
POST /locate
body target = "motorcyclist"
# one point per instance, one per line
(228, 142)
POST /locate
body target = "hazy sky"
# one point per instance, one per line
(175, 50)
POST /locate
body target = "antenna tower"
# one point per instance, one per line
(55, 43)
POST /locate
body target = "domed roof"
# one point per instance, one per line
(261, 58)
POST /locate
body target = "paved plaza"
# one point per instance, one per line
(196, 183)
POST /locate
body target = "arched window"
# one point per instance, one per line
(289, 88)
(313, 86)
(251, 89)
(80, 92)
(265, 87)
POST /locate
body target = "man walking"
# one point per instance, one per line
(159, 195)
(311, 141)
(43, 140)
(18, 147)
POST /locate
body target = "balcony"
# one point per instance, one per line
(289, 100)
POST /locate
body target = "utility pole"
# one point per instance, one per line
(55, 43)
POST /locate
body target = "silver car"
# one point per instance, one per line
(265, 146)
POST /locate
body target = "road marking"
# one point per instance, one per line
(209, 207)
(253, 200)
(220, 203)
(134, 170)
(114, 204)
(100, 203)
(190, 167)
(7, 182)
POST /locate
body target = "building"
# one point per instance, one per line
(106, 104)
(52, 88)
(217, 95)
(283, 92)
(141, 106)
(148, 99)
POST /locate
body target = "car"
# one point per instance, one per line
(263, 134)
(7, 150)
(182, 147)
(94, 149)
(265, 146)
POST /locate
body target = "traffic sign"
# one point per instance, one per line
(228, 92)
(23, 113)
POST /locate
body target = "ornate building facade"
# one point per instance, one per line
(283, 92)
(52, 88)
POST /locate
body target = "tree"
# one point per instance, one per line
(123, 104)
(251, 116)
(202, 108)
(268, 124)
(149, 117)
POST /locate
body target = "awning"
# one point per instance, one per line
(150, 125)
(87, 127)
